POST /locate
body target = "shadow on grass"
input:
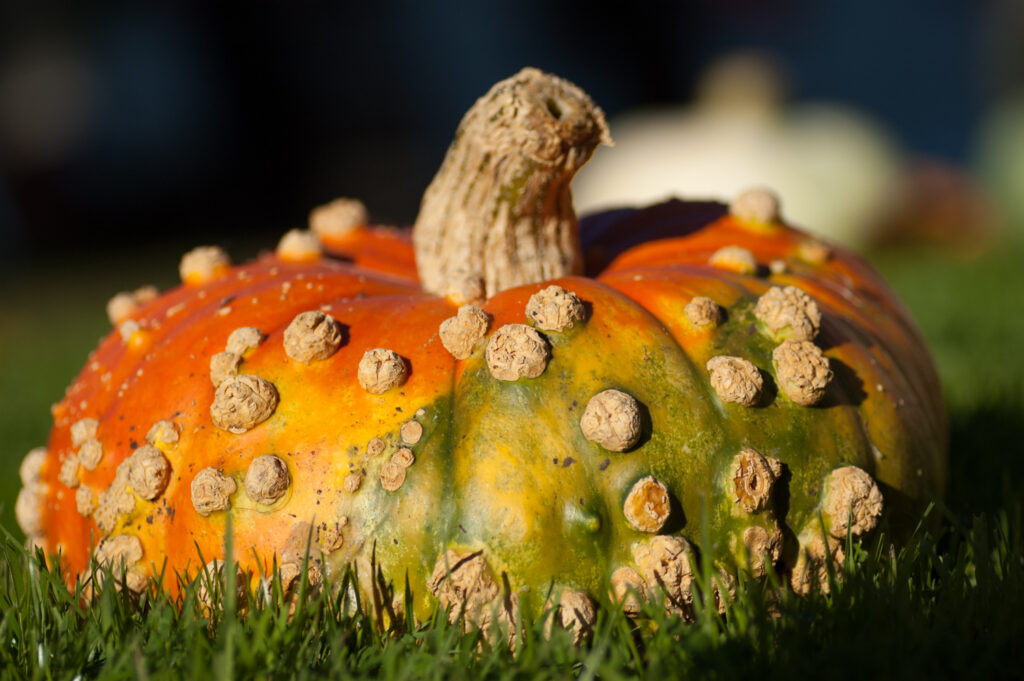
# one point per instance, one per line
(986, 468)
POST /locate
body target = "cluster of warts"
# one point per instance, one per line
(611, 419)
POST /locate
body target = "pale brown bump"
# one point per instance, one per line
(312, 336)
(82, 430)
(392, 476)
(223, 366)
(464, 289)
(403, 457)
(381, 370)
(90, 454)
(734, 259)
(128, 328)
(31, 469)
(301, 548)
(628, 590)
(576, 614)
(162, 432)
(665, 565)
(758, 205)
(267, 479)
(764, 548)
(149, 472)
(554, 309)
(517, 351)
(243, 402)
(788, 313)
(852, 502)
(464, 587)
(28, 510)
(113, 503)
(85, 500)
(462, 333)
(647, 505)
(814, 251)
(203, 264)
(802, 371)
(213, 583)
(128, 303)
(338, 218)
(68, 473)
(118, 552)
(752, 480)
(243, 339)
(735, 380)
(330, 537)
(352, 482)
(814, 561)
(703, 313)
(211, 491)
(411, 432)
(299, 245)
(612, 420)
(778, 266)
(375, 447)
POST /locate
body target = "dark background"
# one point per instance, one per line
(127, 124)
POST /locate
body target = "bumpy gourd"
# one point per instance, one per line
(549, 416)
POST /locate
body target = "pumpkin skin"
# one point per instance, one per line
(503, 471)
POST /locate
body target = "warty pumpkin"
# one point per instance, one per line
(542, 408)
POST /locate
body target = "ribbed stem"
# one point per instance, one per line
(499, 212)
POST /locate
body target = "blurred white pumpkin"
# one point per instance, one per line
(834, 170)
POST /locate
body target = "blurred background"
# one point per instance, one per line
(131, 131)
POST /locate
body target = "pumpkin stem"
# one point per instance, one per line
(499, 212)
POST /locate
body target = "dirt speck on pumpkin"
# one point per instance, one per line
(203, 264)
(788, 313)
(311, 336)
(852, 502)
(461, 334)
(517, 351)
(337, 218)
(411, 432)
(752, 480)
(223, 366)
(148, 472)
(734, 259)
(380, 370)
(243, 339)
(735, 380)
(243, 402)
(756, 204)
(554, 309)
(612, 420)
(211, 491)
(299, 245)
(703, 313)
(647, 505)
(392, 476)
(802, 371)
(267, 479)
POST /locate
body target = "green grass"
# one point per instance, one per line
(947, 605)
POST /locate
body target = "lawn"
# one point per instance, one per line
(948, 605)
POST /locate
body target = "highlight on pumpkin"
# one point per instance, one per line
(499, 424)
